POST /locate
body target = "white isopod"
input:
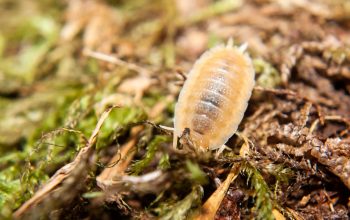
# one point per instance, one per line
(215, 96)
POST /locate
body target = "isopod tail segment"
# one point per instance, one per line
(214, 97)
(242, 48)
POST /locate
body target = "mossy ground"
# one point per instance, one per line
(82, 80)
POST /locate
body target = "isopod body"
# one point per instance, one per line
(214, 97)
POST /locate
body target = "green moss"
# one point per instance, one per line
(263, 200)
(214, 40)
(182, 209)
(116, 124)
(196, 173)
(152, 148)
(2, 44)
(268, 76)
(41, 32)
(216, 8)
(164, 162)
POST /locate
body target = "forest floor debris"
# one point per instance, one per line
(64, 65)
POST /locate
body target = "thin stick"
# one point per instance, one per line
(113, 60)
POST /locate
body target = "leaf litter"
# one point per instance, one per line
(65, 66)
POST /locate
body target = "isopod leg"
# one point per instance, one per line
(221, 149)
(175, 141)
(244, 151)
(182, 78)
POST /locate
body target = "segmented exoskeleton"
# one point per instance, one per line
(215, 96)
